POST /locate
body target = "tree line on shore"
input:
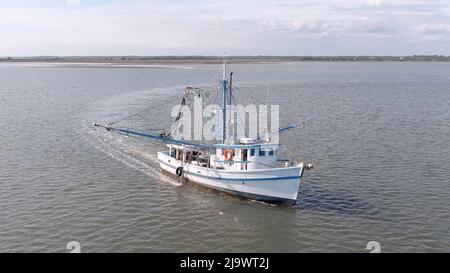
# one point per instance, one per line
(415, 58)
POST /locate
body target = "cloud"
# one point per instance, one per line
(315, 26)
(73, 2)
(434, 29)
(157, 27)
(373, 2)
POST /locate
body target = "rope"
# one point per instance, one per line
(146, 110)
(289, 152)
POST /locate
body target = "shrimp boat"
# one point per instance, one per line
(248, 167)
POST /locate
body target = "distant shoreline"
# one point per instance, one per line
(179, 60)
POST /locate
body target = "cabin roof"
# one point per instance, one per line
(245, 146)
(236, 146)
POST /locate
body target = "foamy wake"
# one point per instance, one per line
(126, 154)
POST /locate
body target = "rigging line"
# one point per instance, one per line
(213, 88)
(216, 74)
(152, 107)
(145, 110)
(290, 154)
(210, 128)
(240, 123)
(176, 123)
(214, 139)
(250, 96)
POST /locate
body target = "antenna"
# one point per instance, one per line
(225, 100)
(224, 66)
(224, 69)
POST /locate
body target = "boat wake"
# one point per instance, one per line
(131, 156)
(136, 155)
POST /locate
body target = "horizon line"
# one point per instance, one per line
(218, 56)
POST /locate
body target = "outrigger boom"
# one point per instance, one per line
(158, 137)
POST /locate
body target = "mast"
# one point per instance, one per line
(230, 129)
(231, 89)
(225, 101)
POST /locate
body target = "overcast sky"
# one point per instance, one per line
(234, 27)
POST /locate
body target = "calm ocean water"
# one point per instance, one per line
(378, 132)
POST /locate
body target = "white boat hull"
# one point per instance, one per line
(275, 185)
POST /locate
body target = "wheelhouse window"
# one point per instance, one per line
(267, 152)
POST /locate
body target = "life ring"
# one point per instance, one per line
(228, 154)
(179, 171)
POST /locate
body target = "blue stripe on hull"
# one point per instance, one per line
(264, 198)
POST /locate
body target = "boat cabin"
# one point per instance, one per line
(247, 155)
